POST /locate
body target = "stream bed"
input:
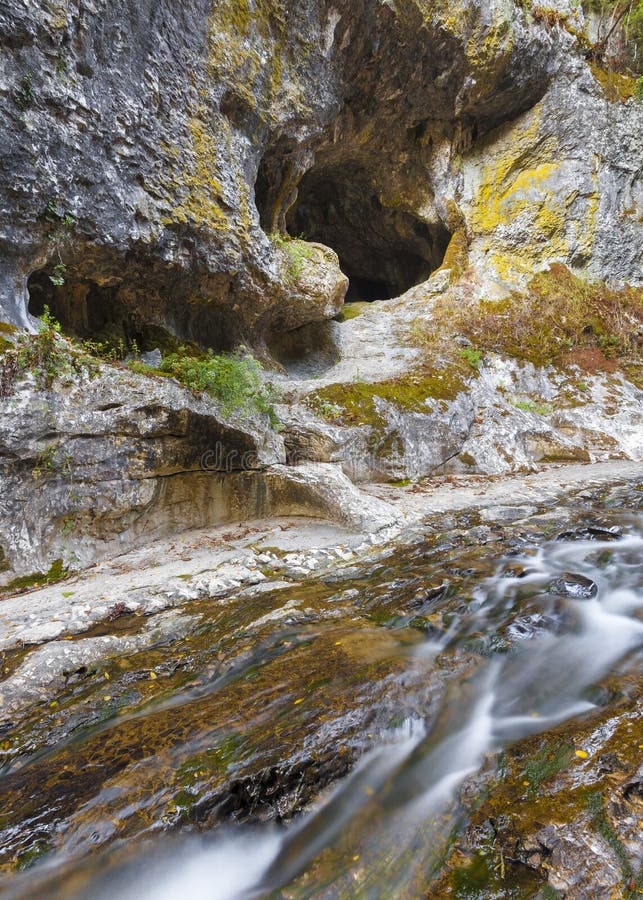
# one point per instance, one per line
(337, 738)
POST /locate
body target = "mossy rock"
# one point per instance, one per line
(357, 403)
(352, 311)
(57, 572)
(616, 86)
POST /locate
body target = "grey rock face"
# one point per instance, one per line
(153, 157)
(83, 467)
(144, 146)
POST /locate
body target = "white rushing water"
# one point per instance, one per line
(400, 803)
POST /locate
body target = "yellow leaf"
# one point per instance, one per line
(153, 675)
(107, 698)
(526, 783)
(581, 754)
(297, 702)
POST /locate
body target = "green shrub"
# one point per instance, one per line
(234, 379)
(47, 355)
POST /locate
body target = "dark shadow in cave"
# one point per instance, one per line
(360, 289)
(114, 313)
(305, 352)
(384, 251)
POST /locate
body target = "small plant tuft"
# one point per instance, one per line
(297, 251)
(472, 356)
(540, 409)
(24, 96)
(47, 355)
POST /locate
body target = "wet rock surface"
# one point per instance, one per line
(249, 706)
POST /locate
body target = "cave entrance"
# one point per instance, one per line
(129, 315)
(85, 310)
(383, 251)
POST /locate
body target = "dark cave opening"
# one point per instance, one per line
(129, 315)
(360, 289)
(85, 309)
(384, 251)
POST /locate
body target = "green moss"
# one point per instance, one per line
(617, 87)
(540, 409)
(30, 857)
(546, 762)
(296, 253)
(539, 783)
(56, 573)
(358, 401)
(351, 311)
(491, 875)
(456, 258)
(472, 356)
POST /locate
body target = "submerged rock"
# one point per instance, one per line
(573, 585)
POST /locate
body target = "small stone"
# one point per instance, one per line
(572, 585)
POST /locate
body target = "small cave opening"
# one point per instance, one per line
(384, 251)
(127, 316)
(86, 310)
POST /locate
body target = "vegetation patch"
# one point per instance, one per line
(617, 86)
(544, 764)
(559, 313)
(352, 311)
(456, 257)
(297, 252)
(540, 409)
(57, 572)
(356, 404)
(46, 355)
(234, 379)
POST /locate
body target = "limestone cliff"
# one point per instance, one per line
(222, 172)
(144, 146)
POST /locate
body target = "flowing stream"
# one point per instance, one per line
(415, 670)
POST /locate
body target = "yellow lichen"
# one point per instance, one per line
(202, 203)
(616, 86)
